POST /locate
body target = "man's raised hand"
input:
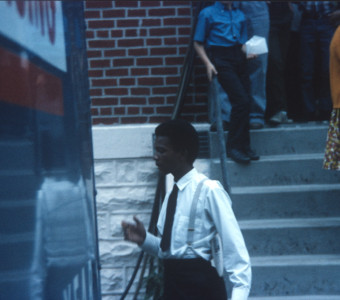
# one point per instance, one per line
(134, 232)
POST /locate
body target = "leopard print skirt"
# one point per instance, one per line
(332, 152)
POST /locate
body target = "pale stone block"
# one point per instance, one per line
(112, 279)
(122, 141)
(126, 141)
(101, 206)
(116, 227)
(118, 253)
(105, 172)
(115, 222)
(147, 171)
(148, 176)
(102, 223)
(146, 164)
(129, 272)
(126, 171)
(126, 198)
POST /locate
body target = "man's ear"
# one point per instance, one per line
(184, 154)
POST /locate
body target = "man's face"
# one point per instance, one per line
(167, 159)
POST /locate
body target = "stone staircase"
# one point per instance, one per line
(288, 208)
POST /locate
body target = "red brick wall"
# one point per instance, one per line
(136, 50)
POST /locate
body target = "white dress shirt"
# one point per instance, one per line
(213, 213)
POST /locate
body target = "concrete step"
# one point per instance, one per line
(288, 209)
(18, 250)
(285, 139)
(18, 185)
(15, 285)
(286, 201)
(277, 170)
(300, 275)
(291, 236)
(17, 155)
(17, 218)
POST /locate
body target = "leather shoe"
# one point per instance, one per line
(279, 118)
(238, 156)
(252, 155)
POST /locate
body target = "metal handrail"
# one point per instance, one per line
(220, 133)
(187, 68)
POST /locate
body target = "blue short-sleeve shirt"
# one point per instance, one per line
(219, 26)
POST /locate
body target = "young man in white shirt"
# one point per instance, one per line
(188, 273)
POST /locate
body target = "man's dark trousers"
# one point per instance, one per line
(231, 65)
(192, 279)
(316, 35)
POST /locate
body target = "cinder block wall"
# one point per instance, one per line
(136, 51)
(126, 177)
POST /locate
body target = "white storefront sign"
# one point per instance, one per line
(37, 26)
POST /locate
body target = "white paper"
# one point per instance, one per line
(256, 45)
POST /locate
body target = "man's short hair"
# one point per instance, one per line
(182, 136)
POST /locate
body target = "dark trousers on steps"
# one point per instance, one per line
(231, 65)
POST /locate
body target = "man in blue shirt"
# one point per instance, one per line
(221, 32)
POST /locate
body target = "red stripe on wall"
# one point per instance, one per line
(25, 84)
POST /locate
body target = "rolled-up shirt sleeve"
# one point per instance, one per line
(235, 254)
(201, 28)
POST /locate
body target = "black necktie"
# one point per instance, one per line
(169, 219)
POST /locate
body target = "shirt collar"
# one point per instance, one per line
(184, 180)
(221, 6)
